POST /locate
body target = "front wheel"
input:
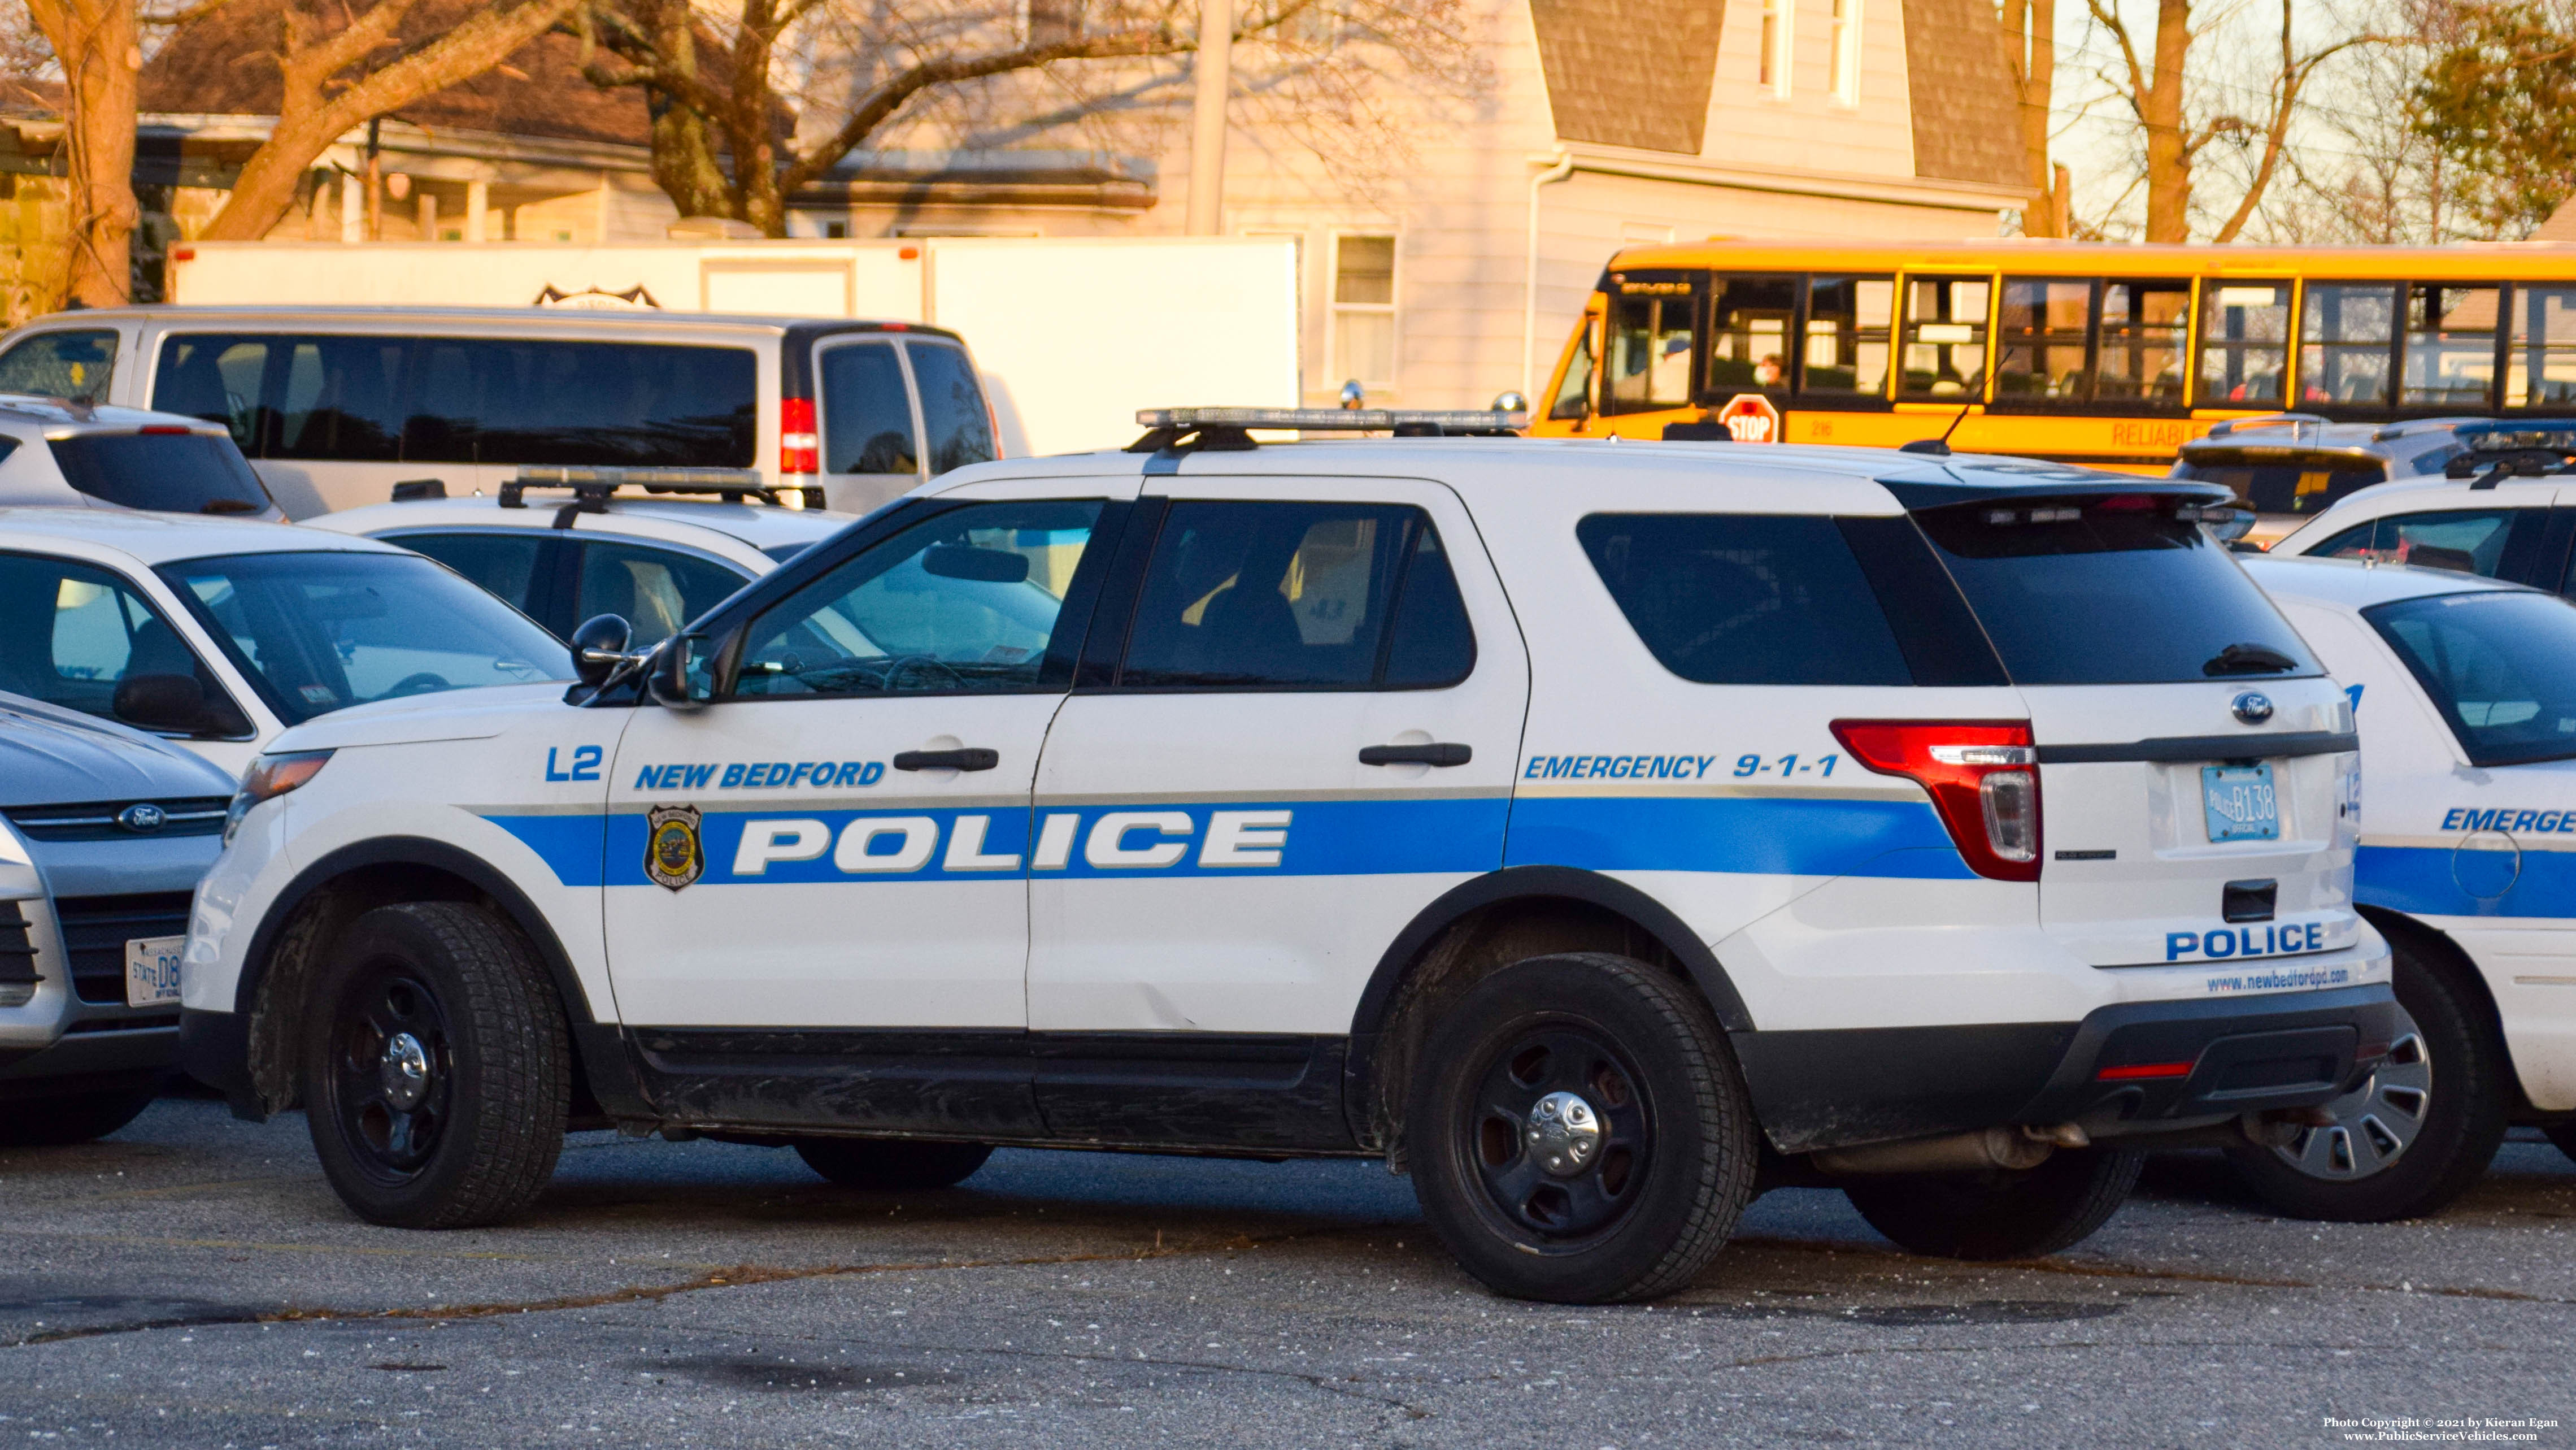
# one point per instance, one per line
(1579, 1132)
(437, 1075)
(892, 1164)
(2000, 1214)
(2417, 1132)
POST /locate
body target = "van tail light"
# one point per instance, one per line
(1982, 775)
(800, 448)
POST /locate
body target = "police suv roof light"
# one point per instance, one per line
(593, 486)
(1221, 430)
(2497, 451)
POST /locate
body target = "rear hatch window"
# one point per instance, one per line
(2117, 589)
(189, 473)
(2501, 668)
(2299, 485)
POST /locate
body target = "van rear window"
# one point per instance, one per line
(2110, 590)
(189, 473)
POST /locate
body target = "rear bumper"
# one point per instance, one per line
(2210, 1058)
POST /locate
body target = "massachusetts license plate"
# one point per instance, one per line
(152, 970)
(2239, 803)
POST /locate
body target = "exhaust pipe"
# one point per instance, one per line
(1987, 1148)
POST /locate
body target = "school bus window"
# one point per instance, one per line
(2450, 346)
(1574, 395)
(1848, 322)
(1650, 353)
(1945, 337)
(2244, 342)
(1749, 337)
(2346, 333)
(2140, 358)
(2043, 326)
(2541, 368)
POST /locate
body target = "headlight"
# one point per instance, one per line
(269, 776)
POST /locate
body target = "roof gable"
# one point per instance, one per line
(1629, 72)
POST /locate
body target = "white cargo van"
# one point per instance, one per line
(335, 405)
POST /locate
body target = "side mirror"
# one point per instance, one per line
(599, 647)
(161, 702)
(681, 675)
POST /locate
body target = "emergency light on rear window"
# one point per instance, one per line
(1333, 420)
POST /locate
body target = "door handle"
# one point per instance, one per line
(973, 757)
(1443, 753)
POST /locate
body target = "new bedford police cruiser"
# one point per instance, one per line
(1597, 832)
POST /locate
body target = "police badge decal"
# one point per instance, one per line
(671, 854)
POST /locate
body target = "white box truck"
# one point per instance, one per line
(1072, 335)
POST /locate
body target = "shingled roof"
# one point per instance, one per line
(1966, 123)
(1629, 72)
(222, 64)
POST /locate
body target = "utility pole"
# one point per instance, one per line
(1214, 73)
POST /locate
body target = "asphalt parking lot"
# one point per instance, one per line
(193, 1282)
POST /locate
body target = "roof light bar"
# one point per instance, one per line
(1335, 420)
(593, 485)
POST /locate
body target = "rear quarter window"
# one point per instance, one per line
(1746, 599)
(2110, 590)
(2501, 667)
(191, 473)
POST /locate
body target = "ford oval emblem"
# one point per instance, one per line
(141, 816)
(2253, 707)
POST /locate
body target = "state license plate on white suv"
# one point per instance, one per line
(152, 970)
(2239, 803)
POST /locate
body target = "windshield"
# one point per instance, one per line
(2501, 667)
(189, 473)
(321, 631)
(2110, 590)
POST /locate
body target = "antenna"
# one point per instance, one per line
(1938, 447)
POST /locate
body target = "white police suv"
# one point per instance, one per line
(1598, 832)
(2465, 692)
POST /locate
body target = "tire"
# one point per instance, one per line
(55, 1122)
(1670, 1164)
(2419, 1132)
(469, 1134)
(1999, 1214)
(892, 1164)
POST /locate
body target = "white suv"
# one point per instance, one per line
(1581, 828)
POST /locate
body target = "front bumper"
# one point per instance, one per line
(84, 1061)
(2212, 1058)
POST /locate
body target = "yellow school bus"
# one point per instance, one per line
(2084, 352)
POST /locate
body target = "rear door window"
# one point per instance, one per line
(190, 473)
(2110, 590)
(340, 398)
(74, 366)
(2501, 667)
(956, 427)
(2486, 542)
(1297, 596)
(647, 405)
(655, 591)
(867, 416)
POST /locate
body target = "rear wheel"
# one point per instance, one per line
(52, 1122)
(2413, 1136)
(2000, 1214)
(437, 1077)
(895, 1164)
(1578, 1131)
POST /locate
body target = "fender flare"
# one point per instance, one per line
(1522, 883)
(600, 1048)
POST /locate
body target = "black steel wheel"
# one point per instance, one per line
(1578, 1130)
(436, 1068)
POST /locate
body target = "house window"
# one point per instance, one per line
(1364, 310)
(1776, 41)
(1847, 51)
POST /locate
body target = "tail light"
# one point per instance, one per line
(800, 448)
(1983, 777)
